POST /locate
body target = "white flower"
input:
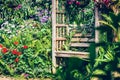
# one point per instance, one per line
(5, 23)
(13, 26)
(2, 28)
(9, 31)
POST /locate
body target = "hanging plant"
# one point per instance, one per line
(73, 7)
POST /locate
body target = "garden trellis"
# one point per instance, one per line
(62, 29)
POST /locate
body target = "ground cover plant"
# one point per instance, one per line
(25, 38)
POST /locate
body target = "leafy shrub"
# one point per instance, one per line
(25, 38)
(27, 52)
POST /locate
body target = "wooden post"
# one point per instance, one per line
(53, 35)
(97, 24)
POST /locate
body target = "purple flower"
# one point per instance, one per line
(46, 11)
(69, 2)
(18, 7)
(50, 12)
(42, 11)
(44, 19)
(26, 75)
(40, 14)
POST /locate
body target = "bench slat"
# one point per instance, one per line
(82, 40)
(80, 44)
(72, 54)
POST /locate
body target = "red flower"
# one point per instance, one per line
(17, 59)
(4, 50)
(16, 43)
(18, 53)
(14, 51)
(25, 47)
(77, 3)
(1, 46)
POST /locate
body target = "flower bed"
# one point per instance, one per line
(25, 39)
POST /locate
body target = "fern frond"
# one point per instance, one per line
(109, 25)
(107, 18)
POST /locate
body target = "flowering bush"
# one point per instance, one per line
(25, 38)
(77, 3)
(78, 8)
(25, 53)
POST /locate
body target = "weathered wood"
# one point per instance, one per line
(97, 24)
(56, 46)
(81, 35)
(61, 25)
(72, 54)
(82, 40)
(80, 44)
(56, 4)
(60, 29)
(60, 12)
(53, 35)
(60, 39)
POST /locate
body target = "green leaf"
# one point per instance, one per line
(109, 25)
(107, 18)
(7, 68)
(99, 72)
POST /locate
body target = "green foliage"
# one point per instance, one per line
(34, 59)
(25, 38)
(102, 63)
(82, 16)
(74, 71)
(111, 23)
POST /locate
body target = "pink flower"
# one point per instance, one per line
(69, 2)
(106, 2)
(77, 3)
(26, 75)
(18, 7)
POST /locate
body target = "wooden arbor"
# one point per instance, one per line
(60, 29)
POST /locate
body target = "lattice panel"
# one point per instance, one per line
(61, 32)
(61, 27)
